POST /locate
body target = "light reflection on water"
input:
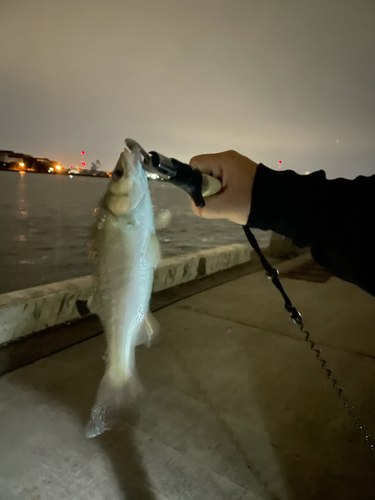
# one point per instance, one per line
(46, 224)
(22, 211)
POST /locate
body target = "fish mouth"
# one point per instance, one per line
(118, 174)
(121, 169)
(140, 154)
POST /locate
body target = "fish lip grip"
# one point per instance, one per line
(196, 184)
(181, 175)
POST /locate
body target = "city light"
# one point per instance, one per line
(22, 164)
(58, 167)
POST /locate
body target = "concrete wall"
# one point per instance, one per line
(27, 311)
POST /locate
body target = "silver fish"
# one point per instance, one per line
(126, 254)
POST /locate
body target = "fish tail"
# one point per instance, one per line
(113, 395)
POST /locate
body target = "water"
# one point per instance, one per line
(46, 221)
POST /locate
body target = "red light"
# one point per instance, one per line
(82, 152)
(280, 162)
(71, 166)
(83, 164)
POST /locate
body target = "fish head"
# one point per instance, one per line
(128, 181)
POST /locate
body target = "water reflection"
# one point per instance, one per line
(22, 206)
(46, 224)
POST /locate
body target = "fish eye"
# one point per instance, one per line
(117, 174)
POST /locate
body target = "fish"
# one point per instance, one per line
(125, 253)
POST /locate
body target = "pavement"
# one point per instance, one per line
(235, 404)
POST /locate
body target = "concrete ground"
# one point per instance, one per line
(235, 405)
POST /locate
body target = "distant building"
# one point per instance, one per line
(9, 158)
(43, 165)
(20, 161)
(5, 156)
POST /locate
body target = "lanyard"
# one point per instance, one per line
(273, 275)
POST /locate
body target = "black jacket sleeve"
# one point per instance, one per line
(335, 218)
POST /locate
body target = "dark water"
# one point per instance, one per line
(45, 224)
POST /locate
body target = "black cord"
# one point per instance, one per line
(273, 275)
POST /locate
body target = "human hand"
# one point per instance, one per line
(236, 174)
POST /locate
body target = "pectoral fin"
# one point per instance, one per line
(149, 330)
(153, 251)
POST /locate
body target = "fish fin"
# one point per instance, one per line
(149, 329)
(153, 251)
(110, 400)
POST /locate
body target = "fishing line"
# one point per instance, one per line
(273, 275)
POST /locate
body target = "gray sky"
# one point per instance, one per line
(274, 79)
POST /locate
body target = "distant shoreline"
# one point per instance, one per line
(100, 175)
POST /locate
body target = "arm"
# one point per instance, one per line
(335, 218)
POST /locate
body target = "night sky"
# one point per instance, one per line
(275, 80)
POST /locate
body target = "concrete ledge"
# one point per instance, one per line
(34, 309)
(27, 311)
(176, 270)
